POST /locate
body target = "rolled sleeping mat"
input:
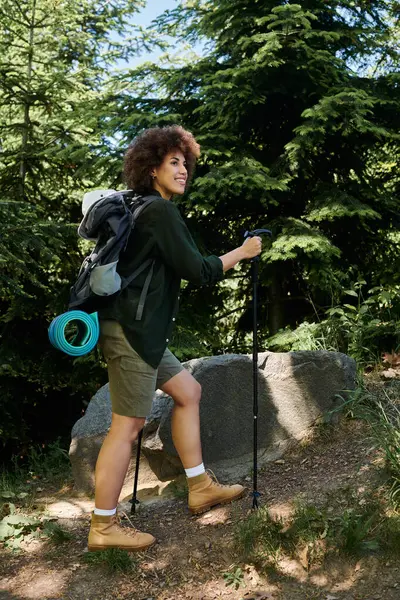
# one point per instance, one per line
(86, 336)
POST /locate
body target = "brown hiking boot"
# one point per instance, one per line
(106, 532)
(205, 492)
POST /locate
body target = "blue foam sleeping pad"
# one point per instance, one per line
(86, 338)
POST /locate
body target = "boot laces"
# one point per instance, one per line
(214, 478)
(131, 531)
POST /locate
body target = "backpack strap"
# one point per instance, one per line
(127, 280)
(146, 200)
(143, 295)
(143, 202)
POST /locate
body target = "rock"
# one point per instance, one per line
(295, 389)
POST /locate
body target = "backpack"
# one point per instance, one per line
(109, 218)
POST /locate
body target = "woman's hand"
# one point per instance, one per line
(251, 247)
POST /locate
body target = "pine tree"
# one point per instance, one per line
(297, 111)
(55, 61)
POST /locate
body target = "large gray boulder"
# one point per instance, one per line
(294, 390)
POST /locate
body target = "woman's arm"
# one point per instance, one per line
(179, 251)
(251, 247)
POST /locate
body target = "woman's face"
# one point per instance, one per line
(171, 176)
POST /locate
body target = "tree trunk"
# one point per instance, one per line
(25, 131)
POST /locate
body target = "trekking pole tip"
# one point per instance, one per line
(256, 496)
(134, 503)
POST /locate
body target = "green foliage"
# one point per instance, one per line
(363, 327)
(380, 408)
(48, 461)
(308, 524)
(355, 531)
(113, 559)
(259, 534)
(307, 336)
(234, 578)
(15, 528)
(29, 245)
(296, 136)
(391, 534)
(297, 112)
(361, 527)
(44, 462)
(179, 488)
(56, 58)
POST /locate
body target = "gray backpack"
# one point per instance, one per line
(109, 218)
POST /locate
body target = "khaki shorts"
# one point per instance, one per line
(132, 381)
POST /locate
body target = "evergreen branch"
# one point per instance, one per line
(9, 17)
(22, 12)
(231, 312)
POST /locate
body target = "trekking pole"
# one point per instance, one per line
(254, 280)
(134, 500)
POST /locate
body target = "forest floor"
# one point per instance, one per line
(199, 557)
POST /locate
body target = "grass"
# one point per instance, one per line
(113, 559)
(259, 535)
(39, 464)
(20, 517)
(318, 532)
(308, 524)
(379, 406)
(357, 531)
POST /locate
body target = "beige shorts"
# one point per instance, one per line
(132, 381)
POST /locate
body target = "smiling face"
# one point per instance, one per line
(171, 176)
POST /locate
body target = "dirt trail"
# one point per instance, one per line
(193, 552)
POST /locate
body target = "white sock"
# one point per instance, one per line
(194, 471)
(102, 512)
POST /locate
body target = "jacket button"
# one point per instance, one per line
(167, 340)
(173, 319)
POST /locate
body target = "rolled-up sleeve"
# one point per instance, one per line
(179, 251)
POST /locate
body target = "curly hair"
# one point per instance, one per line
(149, 150)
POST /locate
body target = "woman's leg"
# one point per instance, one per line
(112, 465)
(204, 492)
(185, 423)
(113, 460)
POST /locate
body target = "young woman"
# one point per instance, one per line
(159, 162)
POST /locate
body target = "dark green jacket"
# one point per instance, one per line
(160, 233)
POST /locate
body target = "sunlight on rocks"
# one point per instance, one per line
(280, 510)
(293, 568)
(68, 510)
(217, 516)
(146, 492)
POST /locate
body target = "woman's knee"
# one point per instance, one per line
(183, 388)
(191, 397)
(127, 428)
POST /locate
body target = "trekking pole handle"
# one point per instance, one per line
(256, 232)
(248, 234)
